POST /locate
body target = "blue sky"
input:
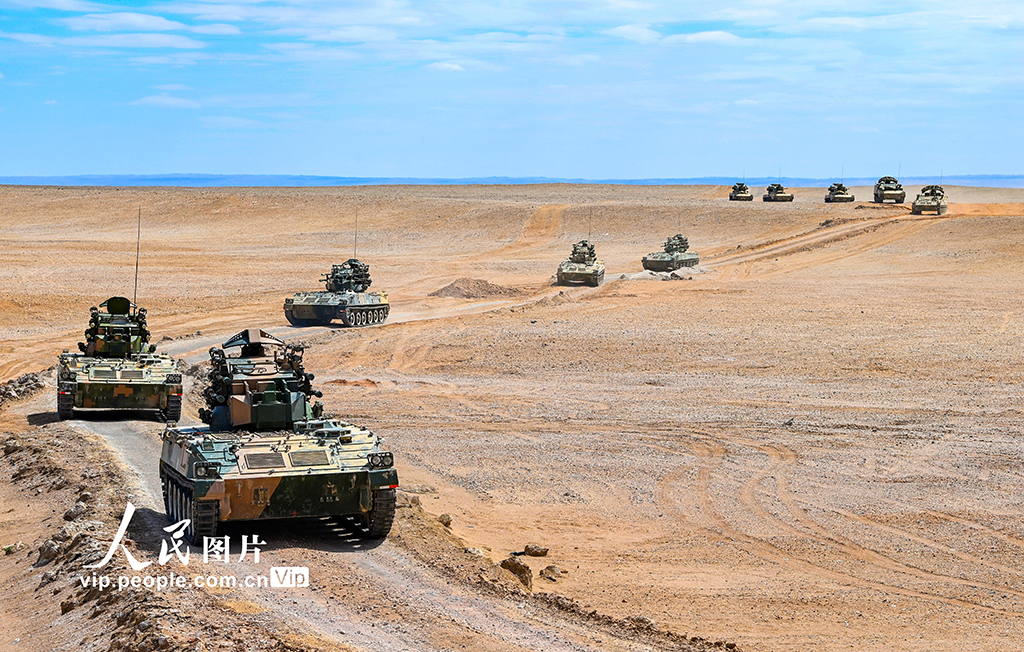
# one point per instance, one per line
(573, 88)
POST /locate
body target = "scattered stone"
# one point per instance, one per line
(641, 622)
(76, 512)
(13, 548)
(519, 568)
(532, 550)
(48, 576)
(476, 552)
(403, 499)
(47, 552)
(11, 446)
(552, 573)
(418, 489)
(85, 496)
(66, 606)
(445, 520)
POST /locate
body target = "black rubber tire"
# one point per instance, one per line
(382, 515)
(65, 407)
(163, 490)
(173, 411)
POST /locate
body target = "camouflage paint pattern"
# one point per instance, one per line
(889, 189)
(931, 199)
(837, 193)
(740, 192)
(346, 297)
(117, 368)
(673, 257)
(582, 266)
(776, 192)
(267, 452)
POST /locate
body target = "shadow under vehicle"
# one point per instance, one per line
(117, 368)
(268, 452)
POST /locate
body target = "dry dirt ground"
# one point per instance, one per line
(812, 444)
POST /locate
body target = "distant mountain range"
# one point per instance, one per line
(285, 180)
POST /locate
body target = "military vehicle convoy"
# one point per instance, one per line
(117, 368)
(740, 192)
(775, 192)
(582, 266)
(267, 452)
(837, 192)
(673, 257)
(931, 199)
(345, 298)
(889, 189)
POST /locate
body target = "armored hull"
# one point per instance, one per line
(889, 189)
(346, 297)
(352, 308)
(318, 468)
(838, 193)
(145, 381)
(776, 192)
(591, 273)
(267, 453)
(665, 262)
(740, 192)
(117, 368)
(931, 200)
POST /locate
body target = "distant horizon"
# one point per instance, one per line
(186, 180)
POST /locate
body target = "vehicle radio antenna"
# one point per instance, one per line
(138, 246)
(355, 236)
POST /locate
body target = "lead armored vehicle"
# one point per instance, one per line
(267, 450)
(931, 199)
(837, 192)
(117, 368)
(674, 256)
(582, 266)
(347, 298)
(776, 192)
(740, 192)
(889, 189)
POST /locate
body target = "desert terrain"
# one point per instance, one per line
(812, 442)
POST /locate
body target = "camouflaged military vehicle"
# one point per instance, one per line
(674, 256)
(117, 368)
(837, 192)
(582, 266)
(346, 298)
(931, 199)
(740, 192)
(888, 188)
(267, 452)
(776, 192)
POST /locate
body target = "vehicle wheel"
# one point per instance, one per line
(173, 411)
(163, 490)
(380, 518)
(205, 519)
(65, 406)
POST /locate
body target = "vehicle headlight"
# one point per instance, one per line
(380, 460)
(174, 379)
(207, 470)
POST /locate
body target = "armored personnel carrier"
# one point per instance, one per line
(346, 298)
(888, 188)
(740, 192)
(837, 192)
(674, 256)
(582, 266)
(117, 368)
(932, 198)
(776, 192)
(268, 452)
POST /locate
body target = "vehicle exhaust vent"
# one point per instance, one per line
(309, 458)
(264, 460)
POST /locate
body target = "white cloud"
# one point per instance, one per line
(142, 40)
(122, 21)
(63, 5)
(222, 29)
(167, 101)
(443, 65)
(716, 37)
(638, 33)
